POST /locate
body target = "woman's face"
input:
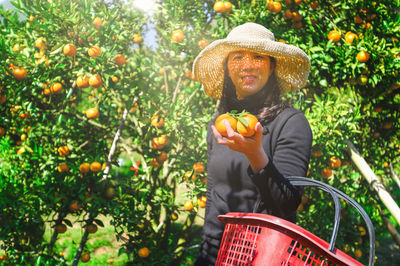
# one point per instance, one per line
(248, 71)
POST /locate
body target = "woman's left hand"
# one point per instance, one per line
(249, 146)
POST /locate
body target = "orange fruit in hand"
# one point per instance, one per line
(82, 82)
(119, 59)
(177, 36)
(144, 252)
(92, 113)
(19, 73)
(334, 36)
(249, 129)
(363, 57)
(95, 167)
(70, 49)
(220, 125)
(95, 81)
(94, 51)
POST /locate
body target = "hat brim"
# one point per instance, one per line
(292, 63)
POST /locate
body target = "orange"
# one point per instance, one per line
(316, 152)
(84, 168)
(137, 38)
(60, 228)
(144, 252)
(358, 253)
(2, 132)
(362, 56)
(82, 82)
(162, 157)
(63, 151)
(70, 49)
(17, 47)
(227, 6)
(95, 81)
(3, 98)
(157, 121)
(188, 206)
(154, 163)
(198, 167)
(119, 59)
(277, 7)
(163, 139)
(202, 43)
(220, 125)
(314, 5)
(249, 129)
(335, 162)
(63, 168)
(296, 16)
(326, 172)
(358, 19)
(219, 6)
(189, 174)
(85, 257)
(56, 88)
(92, 113)
(114, 79)
(75, 206)
(288, 14)
(95, 167)
(201, 203)
(92, 228)
(97, 22)
(19, 73)
(350, 36)
(334, 36)
(155, 144)
(41, 43)
(94, 51)
(177, 36)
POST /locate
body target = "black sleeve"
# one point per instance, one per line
(291, 158)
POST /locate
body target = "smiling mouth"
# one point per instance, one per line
(248, 78)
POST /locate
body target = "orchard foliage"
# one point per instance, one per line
(71, 69)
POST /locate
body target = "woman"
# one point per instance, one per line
(249, 71)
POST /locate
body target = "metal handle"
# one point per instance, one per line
(303, 181)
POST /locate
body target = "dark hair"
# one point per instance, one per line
(265, 104)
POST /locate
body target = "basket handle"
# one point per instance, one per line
(303, 181)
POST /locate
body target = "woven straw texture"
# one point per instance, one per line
(292, 63)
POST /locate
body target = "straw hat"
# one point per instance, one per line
(292, 63)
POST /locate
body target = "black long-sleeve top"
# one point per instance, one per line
(233, 187)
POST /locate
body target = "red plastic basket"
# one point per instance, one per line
(261, 239)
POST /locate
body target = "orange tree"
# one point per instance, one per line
(70, 70)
